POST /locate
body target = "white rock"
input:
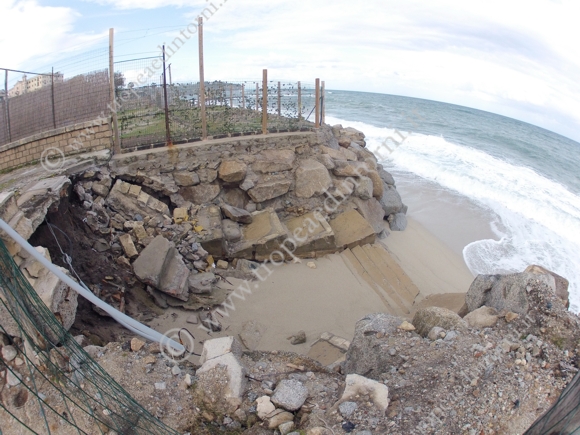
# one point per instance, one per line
(220, 346)
(357, 385)
(9, 353)
(160, 385)
(264, 407)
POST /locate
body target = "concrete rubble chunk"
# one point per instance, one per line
(357, 386)
(217, 347)
(209, 219)
(174, 277)
(128, 245)
(235, 373)
(180, 215)
(311, 234)
(237, 214)
(232, 171)
(351, 229)
(161, 266)
(262, 237)
(35, 268)
(58, 297)
(274, 161)
(119, 200)
(290, 394)
(201, 283)
(268, 190)
(426, 318)
(312, 178)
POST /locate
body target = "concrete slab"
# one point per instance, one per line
(351, 229)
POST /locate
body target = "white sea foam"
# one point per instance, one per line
(539, 219)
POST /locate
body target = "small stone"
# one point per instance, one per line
(193, 319)
(136, 344)
(286, 428)
(510, 317)
(346, 409)
(175, 371)
(18, 361)
(222, 264)
(436, 333)
(188, 380)
(451, 335)
(298, 338)
(290, 394)
(348, 426)
(311, 265)
(160, 385)
(9, 353)
(406, 326)
(279, 418)
(13, 378)
(149, 359)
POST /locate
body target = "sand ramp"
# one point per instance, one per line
(378, 269)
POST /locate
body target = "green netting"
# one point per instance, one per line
(563, 418)
(62, 389)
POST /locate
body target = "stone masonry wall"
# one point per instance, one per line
(85, 137)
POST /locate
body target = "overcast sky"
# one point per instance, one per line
(516, 58)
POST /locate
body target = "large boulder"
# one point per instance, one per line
(269, 190)
(372, 211)
(397, 222)
(290, 394)
(391, 200)
(368, 354)
(504, 292)
(200, 194)
(232, 171)
(483, 317)
(270, 161)
(427, 318)
(560, 283)
(312, 178)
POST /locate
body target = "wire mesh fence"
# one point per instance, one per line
(72, 91)
(57, 388)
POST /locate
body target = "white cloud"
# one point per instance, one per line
(30, 30)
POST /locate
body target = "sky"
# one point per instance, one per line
(516, 58)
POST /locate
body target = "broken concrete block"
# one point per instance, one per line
(209, 220)
(173, 280)
(235, 374)
(35, 268)
(263, 236)
(217, 347)
(180, 215)
(58, 297)
(201, 283)
(311, 234)
(128, 246)
(351, 229)
(134, 190)
(149, 266)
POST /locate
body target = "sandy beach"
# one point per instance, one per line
(333, 296)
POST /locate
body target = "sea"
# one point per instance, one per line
(503, 193)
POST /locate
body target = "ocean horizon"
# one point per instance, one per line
(503, 193)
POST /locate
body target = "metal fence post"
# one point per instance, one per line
(279, 100)
(167, 131)
(323, 104)
(265, 101)
(201, 80)
(257, 98)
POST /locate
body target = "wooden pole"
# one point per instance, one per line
(202, 81)
(265, 101)
(299, 102)
(166, 104)
(323, 108)
(116, 135)
(317, 105)
(52, 98)
(6, 105)
(279, 100)
(243, 95)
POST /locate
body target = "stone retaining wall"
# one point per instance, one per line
(84, 137)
